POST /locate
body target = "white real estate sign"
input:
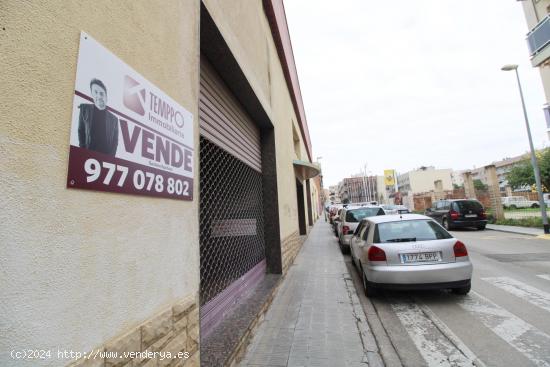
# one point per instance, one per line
(127, 135)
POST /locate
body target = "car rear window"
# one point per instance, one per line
(409, 230)
(468, 205)
(356, 215)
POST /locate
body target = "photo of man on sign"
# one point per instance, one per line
(97, 127)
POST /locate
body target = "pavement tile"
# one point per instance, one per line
(311, 321)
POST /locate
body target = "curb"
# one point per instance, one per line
(511, 231)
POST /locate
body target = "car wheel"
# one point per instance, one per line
(369, 290)
(462, 290)
(513, 207)
(535, 206)
(481, 227)
(343, 249)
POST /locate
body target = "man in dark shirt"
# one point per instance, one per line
(97, 127)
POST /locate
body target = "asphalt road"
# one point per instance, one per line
(503, 321)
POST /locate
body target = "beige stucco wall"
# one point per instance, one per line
(535, 11)
(245, 28)
(423, 181)
(545, 77)
(80, 267)
(531, 13)
(381, 189)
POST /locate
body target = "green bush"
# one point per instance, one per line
(535, 222)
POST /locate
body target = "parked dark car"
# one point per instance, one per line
(458, 213)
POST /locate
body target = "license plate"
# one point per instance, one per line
(421, 257)
(471, 215)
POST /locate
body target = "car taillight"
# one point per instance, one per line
(460, 249)
(454, 215)
(376, 254)
(483, 215)
(345, 229)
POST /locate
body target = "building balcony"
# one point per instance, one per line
(538, 41)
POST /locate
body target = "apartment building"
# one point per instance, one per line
(503, 167)
(360, 189)
(422, 180)
(537, 15)
(334, 196)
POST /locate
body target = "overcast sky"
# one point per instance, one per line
(402, 84)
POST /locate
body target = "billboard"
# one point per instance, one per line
(389, 177)
(127, 135)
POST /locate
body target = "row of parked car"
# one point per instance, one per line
(401, 250)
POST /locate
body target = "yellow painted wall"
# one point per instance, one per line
(245, 28)
(81, 266)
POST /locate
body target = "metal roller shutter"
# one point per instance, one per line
(232, 243)
(224, 122)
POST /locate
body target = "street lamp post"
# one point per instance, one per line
(322, 193)
(533, 156)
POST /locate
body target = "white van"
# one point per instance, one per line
(514, 202)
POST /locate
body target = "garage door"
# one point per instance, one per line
(232, 245)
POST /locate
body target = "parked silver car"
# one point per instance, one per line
(395, 209)
(409, 251)
(349, 220)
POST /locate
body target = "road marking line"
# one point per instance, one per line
(544, 276)
(522, 336)
(544, 236)
(524, 291)
(433, 345)
(445, 330)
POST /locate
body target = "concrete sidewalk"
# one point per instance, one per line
(315, 318)
(516, 229)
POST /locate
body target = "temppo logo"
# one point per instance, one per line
(134, 95)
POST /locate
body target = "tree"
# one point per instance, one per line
(522, 174)
(479, 185)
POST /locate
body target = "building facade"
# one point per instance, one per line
(360, 189)
(457, 178)
(422, 180)
(538, 40)
(334, 195)
(126, 272)
(503, 167)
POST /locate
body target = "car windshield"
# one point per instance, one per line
(356, 215)
(468, 205)
(409, 231)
